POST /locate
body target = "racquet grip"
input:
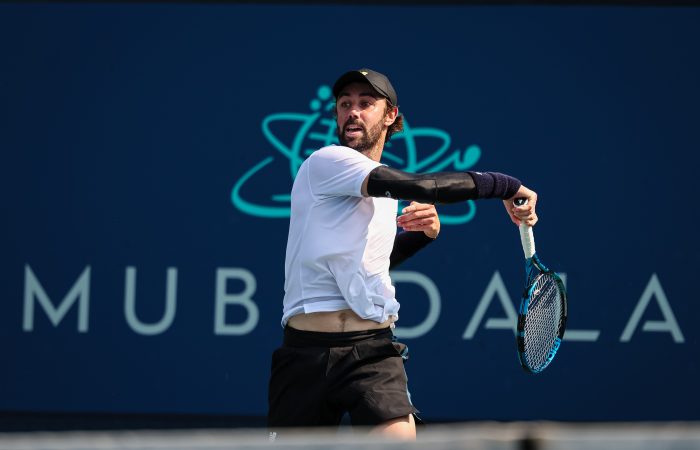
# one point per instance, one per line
(527, 239)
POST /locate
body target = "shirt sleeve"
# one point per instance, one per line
(339, 171)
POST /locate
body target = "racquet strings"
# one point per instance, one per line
(543, 321)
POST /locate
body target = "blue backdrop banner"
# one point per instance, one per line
(148, 152)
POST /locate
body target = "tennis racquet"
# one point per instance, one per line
(542, 315)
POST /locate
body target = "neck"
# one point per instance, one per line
(375, 153)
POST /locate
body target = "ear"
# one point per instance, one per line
(391, 116)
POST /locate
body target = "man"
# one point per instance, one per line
(338, 353)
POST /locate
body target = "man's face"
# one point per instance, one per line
(362, 118)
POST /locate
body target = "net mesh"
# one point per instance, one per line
(543, 321)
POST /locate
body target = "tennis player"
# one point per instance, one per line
(339, 307)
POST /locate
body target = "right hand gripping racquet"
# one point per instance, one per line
(542, 315)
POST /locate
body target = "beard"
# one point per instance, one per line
(363, 143)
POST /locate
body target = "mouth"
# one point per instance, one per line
(352, 131)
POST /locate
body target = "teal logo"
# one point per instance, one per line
(295, 135)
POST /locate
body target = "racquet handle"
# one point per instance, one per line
(527, 238)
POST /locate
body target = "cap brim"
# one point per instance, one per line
(350, 77)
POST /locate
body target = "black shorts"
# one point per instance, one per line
(318, 377)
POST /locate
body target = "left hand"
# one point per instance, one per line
(420, 217)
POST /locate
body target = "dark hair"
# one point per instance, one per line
(395, 127)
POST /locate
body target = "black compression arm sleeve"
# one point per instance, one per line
(406, 244)
(441, 187)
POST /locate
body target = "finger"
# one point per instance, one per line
(409, 208)
(416, 215)
(419, 223)
(514, 218)
(522, 213)
(415, 228)
(510, 209)
(523, 216)
(523, 209)
(531, 221)
(416, 208)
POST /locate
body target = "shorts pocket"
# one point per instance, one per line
(381, 348)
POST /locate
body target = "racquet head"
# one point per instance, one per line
(542, 317)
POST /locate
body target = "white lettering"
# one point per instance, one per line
(433, 300)
(33, 289)
(669, 325)
(130, 304)
(496, 287)
(243, 299)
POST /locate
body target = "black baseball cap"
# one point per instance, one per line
(378, 81)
